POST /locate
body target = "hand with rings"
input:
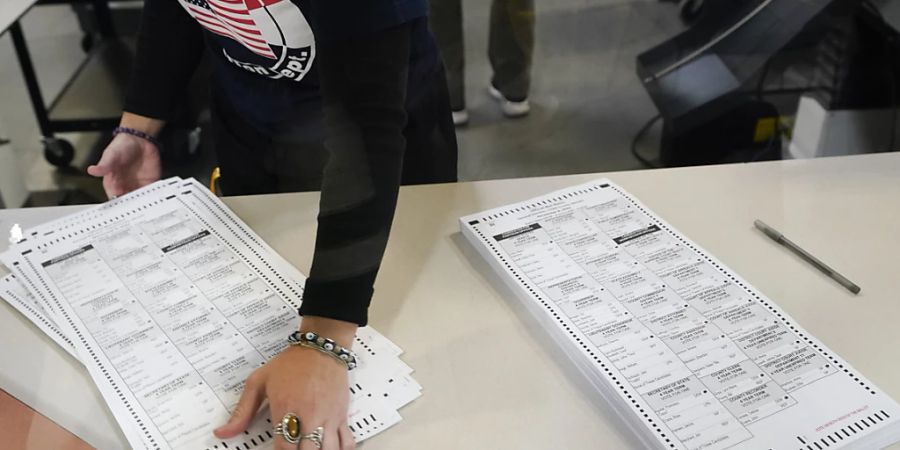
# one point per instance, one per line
(308, 394)
(289, 429)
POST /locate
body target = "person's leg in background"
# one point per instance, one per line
(447, 26)
(510, 50)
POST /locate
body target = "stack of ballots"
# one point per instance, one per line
(170, 301)
(687, 352)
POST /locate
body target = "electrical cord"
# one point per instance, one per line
(760, 85)
(893, 139)
(760, 91)
(779, 130)
(893, 77)
(637, 136)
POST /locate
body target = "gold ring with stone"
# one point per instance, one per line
(289, 428)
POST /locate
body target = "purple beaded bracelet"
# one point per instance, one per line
(138, 133)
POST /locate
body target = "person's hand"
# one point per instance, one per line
(303, 381)
(127, 164)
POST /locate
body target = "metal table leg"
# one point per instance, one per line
(57, 151)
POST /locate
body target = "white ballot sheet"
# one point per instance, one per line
(48, 233)
(688, 353)
(23, 301)
(170, 301)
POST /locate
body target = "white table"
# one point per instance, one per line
(12, 10)
(489, 381)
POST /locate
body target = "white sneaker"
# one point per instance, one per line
(461, 117)
(510, 108)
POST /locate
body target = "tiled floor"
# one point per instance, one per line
(53, 36)
(587, 101)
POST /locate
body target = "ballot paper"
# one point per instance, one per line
(687, 352)
(170, 301)
(23, 301)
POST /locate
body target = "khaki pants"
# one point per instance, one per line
(509, 50)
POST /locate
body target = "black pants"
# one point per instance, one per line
(257, 162)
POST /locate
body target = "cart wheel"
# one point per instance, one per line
(87, 42)
(690, 10)
(58, 152)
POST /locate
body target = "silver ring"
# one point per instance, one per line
(289, 428)
(315, 437)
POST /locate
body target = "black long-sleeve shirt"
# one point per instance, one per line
(263, 53)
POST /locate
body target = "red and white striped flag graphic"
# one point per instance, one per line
(233, 19)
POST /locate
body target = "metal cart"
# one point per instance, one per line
(109, 58)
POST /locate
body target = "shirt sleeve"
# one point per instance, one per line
(170, 44)
(363, 82)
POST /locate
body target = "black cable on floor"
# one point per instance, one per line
(646, 162)
(761, 84)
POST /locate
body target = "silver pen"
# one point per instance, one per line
(803, 254)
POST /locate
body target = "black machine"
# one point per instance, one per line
(712, 83)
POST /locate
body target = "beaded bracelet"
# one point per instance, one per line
(312, 340)
(138, 133)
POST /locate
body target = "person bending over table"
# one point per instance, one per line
(377, 98)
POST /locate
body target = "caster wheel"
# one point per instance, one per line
(87, 42)
(58, 152)
(690, 10)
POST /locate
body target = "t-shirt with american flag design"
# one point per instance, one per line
(275, 39)
(262, 52)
